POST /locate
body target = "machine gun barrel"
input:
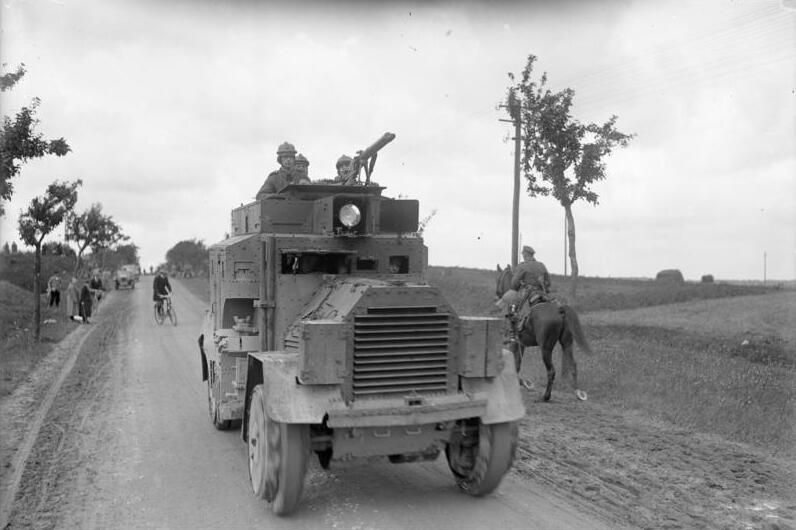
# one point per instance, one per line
(376, 146)
(366, 158)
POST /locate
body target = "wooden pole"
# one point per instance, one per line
(515, 214)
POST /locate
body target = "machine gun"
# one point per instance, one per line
(366, 159)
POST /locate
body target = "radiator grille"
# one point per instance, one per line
(400, 350)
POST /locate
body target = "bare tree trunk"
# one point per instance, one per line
(37, 292)
(573, 257)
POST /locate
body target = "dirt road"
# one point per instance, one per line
(126, 443)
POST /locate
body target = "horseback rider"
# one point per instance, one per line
(531, 278)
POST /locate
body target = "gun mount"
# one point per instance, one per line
(366, 159)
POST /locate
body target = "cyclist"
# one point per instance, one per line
(161, 288)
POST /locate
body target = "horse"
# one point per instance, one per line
(544, 324)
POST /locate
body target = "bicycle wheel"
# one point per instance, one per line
(159, 314)
(172, 315)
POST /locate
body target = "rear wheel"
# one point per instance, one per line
(278, 455)
(479, 455)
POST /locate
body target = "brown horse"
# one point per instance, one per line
(544, 324)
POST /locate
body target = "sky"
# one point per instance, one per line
(174, 112)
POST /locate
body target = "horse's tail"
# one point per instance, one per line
(573, 322)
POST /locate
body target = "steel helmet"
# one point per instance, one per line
(344, 160)
(286, 148)
(302, 160)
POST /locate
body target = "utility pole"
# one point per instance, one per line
(514, 109)
(765, 258)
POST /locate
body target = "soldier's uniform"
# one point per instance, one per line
(277, 180)
(531, 276)
(283, 176)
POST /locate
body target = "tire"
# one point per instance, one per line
(278, 456)
(158, 315)
(479, 455)
(173, 316)
(212, 405)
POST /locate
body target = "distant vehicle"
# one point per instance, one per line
(124, 279)
(323, 337)
(133, 269)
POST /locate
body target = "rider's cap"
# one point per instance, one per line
(528, 250)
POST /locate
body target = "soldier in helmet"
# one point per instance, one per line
(286, 174)
(343, 169)
(302, 167)
(531, 276)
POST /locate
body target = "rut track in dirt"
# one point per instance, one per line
(54, 455)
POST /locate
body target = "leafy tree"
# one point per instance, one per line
(113, 258)
(19, 141)
(188, 255)
(561, 156)
(42, 217)
(92, 230)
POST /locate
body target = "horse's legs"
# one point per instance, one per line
(547, 357)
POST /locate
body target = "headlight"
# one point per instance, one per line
(349, 215)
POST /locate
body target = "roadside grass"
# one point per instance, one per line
(695, 382)
(19, 352)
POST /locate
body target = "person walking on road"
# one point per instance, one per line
(73, 299)
(54, 287)
(86, 299)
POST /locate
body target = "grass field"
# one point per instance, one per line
(19, 353)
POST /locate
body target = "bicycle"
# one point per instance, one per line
(164, 308)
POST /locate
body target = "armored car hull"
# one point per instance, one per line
(322, 338)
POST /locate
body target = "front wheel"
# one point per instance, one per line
(159, 314)
(479, 455)
(213, 391)
(172, 315)
(278, 455)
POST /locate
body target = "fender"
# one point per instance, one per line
(202, 356)
(286, 400)
(504, 400)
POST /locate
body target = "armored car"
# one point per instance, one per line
(323, 339)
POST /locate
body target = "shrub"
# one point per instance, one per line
(707, 278)
(670, 276)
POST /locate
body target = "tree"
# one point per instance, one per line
(188, 255)
(19, 141)
(92, 229)
(561, 156)
(113, 258)
(42, 217)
